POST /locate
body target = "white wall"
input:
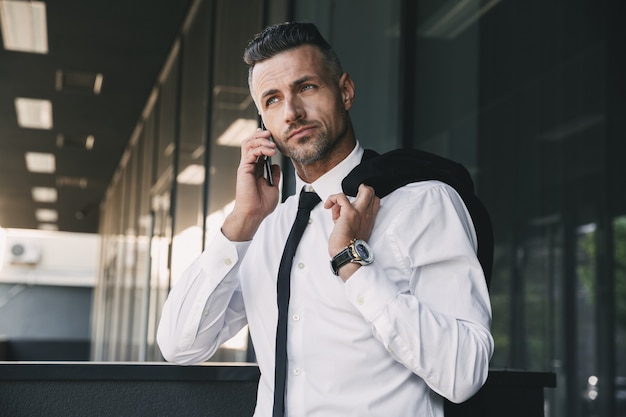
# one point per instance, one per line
(48, 258)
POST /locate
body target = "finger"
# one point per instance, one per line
(373, 201)
(257, 156)
(336, 199)
(364, 197)
(335, 203)
(376, 203)
(330, 202)
(256, 146)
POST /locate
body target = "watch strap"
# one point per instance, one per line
(342, 258)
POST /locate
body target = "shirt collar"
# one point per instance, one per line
(330, 183)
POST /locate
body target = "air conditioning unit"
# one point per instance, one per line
(24, 253)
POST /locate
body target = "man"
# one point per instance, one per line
(389, 337)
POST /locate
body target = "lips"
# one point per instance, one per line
(301, 132)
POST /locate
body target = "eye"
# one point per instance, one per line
(307, 87)
(271, 101)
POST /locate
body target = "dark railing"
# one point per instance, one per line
(44, 350)
(81, 389)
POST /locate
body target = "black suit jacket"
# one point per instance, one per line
(394, 169)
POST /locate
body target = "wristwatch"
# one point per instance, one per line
(357, 251)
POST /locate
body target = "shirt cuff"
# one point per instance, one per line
(370, 291)
(222, 254)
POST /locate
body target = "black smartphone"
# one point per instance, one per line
(267, 160)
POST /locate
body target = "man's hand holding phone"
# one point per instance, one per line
(255, 197)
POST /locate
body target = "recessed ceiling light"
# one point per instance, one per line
(24, 26)
(46, 215)
(40, 162)
(75, 141)
(78, 182)
(33, 113)
(48, 226)
(77, 81)
(44, 194)
(237, 131)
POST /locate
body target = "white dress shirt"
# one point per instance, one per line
(397, 336)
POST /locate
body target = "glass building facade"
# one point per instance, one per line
(528, 94)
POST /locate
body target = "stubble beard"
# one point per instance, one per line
(311, 149)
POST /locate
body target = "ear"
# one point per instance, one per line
(346, 89)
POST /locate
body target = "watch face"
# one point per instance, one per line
(362, 250)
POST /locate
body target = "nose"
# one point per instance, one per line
(294, 110)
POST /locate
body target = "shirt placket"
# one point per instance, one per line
(296, 380)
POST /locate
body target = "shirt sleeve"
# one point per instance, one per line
(438, 325)
(205, 307)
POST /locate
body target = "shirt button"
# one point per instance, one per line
(297, 372)
(310, 220)
(360, 300)
(300, 265)
(295, 317)
(228, 262)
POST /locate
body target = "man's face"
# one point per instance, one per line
(301, 104)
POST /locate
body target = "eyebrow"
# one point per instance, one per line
(301, 80)
(269, 93)
(295, 83)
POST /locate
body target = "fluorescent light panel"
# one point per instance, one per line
(89, 142)
(193, 174)
(97, 85)
(46, 215)
(44, 194)
(48, 226)
(237, 132)
(40, 162)
(24, 26)
(33, 113)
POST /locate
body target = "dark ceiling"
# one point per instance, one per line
(125, 41)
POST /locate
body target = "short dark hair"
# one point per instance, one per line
(282, 37)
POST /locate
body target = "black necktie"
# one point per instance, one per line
(308, 200)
